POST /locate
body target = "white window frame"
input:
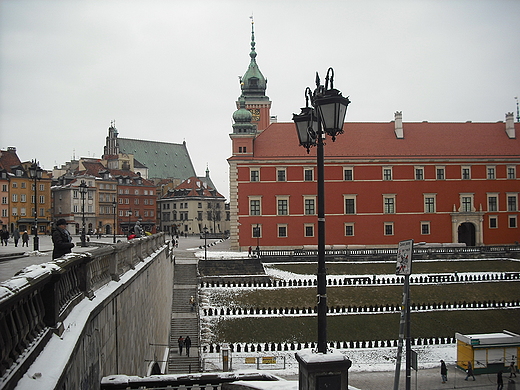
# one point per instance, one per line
(491, 172)
(309, 197)
(255, 198)
(345, 169)
(472, 206)
(383, 169)
(437, 169)
(349, 224)
(306, 169)
(281, 198)
(349, 196)
(385, 224)
(427, 196)
(305, 226)
(463, 168)
(251, 170)
(511, 169)
(493, 217)
(418, 169)
(425, 223)
(490, 195)
(512, 195)
(394, 206)
(284, 170)
(282, 225)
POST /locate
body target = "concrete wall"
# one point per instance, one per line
(127, 330)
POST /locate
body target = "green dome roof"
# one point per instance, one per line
(242, 115)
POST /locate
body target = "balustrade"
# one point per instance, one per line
(35, 301)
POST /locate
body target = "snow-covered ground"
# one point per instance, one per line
(285, 364)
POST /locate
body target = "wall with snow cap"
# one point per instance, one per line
(99, 313)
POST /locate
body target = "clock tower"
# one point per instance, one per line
(253, 85)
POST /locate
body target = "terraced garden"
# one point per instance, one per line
(433, 320)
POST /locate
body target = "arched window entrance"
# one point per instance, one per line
(466, 233)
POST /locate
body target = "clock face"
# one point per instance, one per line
(256, 114)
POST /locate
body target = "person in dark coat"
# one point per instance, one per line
(444, 372)
(25, 239)
(61, 239)
(500, 381)
(5, 237)
(16, 236)
(180, 341)
(469, 372)
(187, 344)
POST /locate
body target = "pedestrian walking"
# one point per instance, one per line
(444, 372)
(25, 239)
(192, 303)
(180, 341)
(250, 250)
(5, 237)
(500, 381)
(469, 372)
(61, 239)
(187, 344)
(512, 369)
(16, 237)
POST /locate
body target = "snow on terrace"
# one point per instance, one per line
(363, 359)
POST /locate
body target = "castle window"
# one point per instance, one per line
(254, 174)
(440, 173)
(387, 173)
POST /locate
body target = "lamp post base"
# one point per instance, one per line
(322, 371)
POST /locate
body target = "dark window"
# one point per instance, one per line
(350, 206)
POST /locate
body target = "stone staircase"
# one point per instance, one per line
(184, 320)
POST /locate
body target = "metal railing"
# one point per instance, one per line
(419, 251)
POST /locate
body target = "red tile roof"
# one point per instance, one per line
(421, 140)
(9, 159)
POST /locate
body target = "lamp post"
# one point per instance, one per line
(35, 173)
(114, 208)
(83, 188)
(205, 242)
(129, 215)
(325, 117)
(257, 234)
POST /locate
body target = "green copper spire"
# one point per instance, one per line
(253, 83)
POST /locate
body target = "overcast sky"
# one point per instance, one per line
(168, 70)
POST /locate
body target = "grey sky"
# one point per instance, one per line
(168, 70)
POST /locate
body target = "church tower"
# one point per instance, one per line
(253, 85)
(111, 147)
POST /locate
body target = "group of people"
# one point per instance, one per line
(4, 237)
(184, 343)
(469, 373)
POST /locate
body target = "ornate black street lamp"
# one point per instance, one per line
(35, 173)
(325, 117)
(83, 188)
(256, 233)
(129, 215)
(114, 209)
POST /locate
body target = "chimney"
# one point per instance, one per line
(510, 125)
(399, 124)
